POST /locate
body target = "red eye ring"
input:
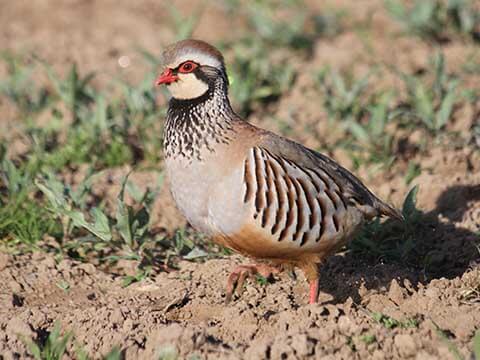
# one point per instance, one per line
(187, 67)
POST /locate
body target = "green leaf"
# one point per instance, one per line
(358, 131)
(53, 190)
(409, 208)
(114, 354)
(100, 228)
(34, 350)
(134, 191)
(476, 344)
(101, 224)
(123, 225)
(413, 171)
(195, 253)
(424, 105)
(443, 114)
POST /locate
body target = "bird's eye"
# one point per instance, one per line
(187, 67)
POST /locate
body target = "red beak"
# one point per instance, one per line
(167, 77)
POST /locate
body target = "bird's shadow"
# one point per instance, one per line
(418, 251)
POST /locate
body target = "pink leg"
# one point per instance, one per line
(314, 288)
(241, 272)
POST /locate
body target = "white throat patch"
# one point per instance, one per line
(187, 87)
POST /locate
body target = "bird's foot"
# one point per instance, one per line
(237, 277)
(314, 289)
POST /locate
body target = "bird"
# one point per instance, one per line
(271, 199)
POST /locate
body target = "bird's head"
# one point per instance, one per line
(192, 67)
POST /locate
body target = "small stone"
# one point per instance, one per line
(405, 345)
(302, 346)
(4, 260)
(15, 286)
(116, 317)
(19, 327)
(48, 263)
(346, 325)
(87, 268)
(396, 293)
(324, 335)
(127, 325)
(64, 265)
(432, 293)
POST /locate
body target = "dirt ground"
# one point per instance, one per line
(184, 312)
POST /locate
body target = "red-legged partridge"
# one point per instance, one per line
(252, 191)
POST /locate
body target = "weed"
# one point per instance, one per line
(255, 77)
(368, 338)
(261, 280)
(436, 19)
(476, 345)
(371, 140)
(391, 323)
(23, 219)
(431, 105)
(351, 344)
(184, 25)
(297, 31)
(142, 273)
(391, 240)
(129, 226)
(167, 352)
(413, 171)
(444, 336)
(361, 115)
(344, 97)
(18, 87)
(65, 286)
(74, 91)
(54, 347)
(470, 292)
(106, 133)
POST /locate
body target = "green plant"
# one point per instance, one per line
(345, 98)
(362, 115)
(413, 171)
(391, 240)
(431, 105)
(184, 25)
(437, 19)
(22, 218)
(443, 335)
(370, 135)
(54, 347)
(390, 323)
(167, 352)
(73, 90)
(368, 338)
(298, 30)
(19, 88)
(107, 131)
(255, 77)
(63, 201)
(476, 345)
(129, 226)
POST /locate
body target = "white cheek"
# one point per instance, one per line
(187, 87)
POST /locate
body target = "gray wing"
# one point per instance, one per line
(351, 188)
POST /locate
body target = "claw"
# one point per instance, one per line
(238, 276)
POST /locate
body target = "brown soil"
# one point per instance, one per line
(184, 311)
